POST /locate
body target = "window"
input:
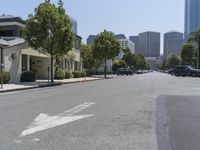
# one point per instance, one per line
(24, 63)
(66, 64)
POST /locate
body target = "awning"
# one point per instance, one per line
(3, 43)
(29, 51)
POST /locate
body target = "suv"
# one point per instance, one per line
(124, 71)
(185, 71)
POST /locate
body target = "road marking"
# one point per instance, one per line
(17, 141)
(140, 78)
(44, 121)
(35, 140)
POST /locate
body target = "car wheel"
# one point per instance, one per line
(194, 74)
(177, 74)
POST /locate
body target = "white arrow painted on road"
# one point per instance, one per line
(44, 122)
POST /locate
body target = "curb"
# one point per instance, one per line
(30, 88)
(90, 80)
(47, 85)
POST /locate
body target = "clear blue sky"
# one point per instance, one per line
(120, 16)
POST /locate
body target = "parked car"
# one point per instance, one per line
(124, 71)
(139, 72)
(185, 71)
(170, 71)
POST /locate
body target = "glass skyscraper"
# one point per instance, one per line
(192, 16)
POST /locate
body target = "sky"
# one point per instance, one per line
(128, 17)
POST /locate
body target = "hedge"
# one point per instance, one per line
(76, 74)
(60, 74)
(68, 74)
(28, 76)
(6, 77)
(83, 74)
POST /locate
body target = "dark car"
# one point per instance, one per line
(124, 71)
(185, 71)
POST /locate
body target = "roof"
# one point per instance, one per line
(10, 18)
(11, 41)
(173, 31)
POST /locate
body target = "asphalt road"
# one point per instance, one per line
(113, 114)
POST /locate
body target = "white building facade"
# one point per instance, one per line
(125, 43)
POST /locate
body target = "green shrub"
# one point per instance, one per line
(68, 74)
(76, 74)
(28, 76)
(60, 74)
(83, 74)
(118, 64)
(6, 77)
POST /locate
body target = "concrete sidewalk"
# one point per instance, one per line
(43, 83)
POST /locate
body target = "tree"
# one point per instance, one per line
(135, 61)
(141, 62)
(86, 56)
(49, 31)
(126, 50)
(118, 63)
(164, 65)
(130, 60)
(173, 60)
(105, 47)
(188, 53)
(195, 38)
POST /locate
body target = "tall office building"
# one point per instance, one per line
(134, 39)
(149, 44)
(125, 43)
(192, 16)
(173, 43)
(90, 39)
(120, 36)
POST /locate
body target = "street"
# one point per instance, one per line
(124, 113)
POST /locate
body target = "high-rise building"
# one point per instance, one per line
(90, 39)
(149, 44)
(125, 43)
(192, 16)
(120, 36)
(134, 39)
(173, 43)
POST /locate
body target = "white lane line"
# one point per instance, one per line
(44, 121)
(78, 108)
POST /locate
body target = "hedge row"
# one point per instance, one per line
(78, 74)
(6, 77)
(61, 74)
(28, 76)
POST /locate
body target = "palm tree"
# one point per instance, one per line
(195, 38)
